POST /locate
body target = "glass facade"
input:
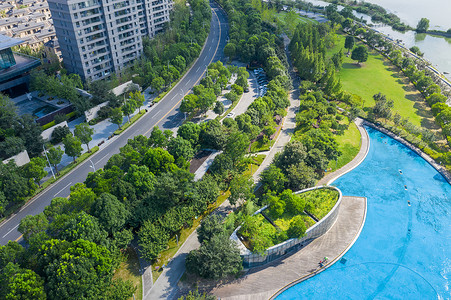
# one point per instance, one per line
(6, 59)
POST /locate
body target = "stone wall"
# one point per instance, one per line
(251, 260)
(92, 113)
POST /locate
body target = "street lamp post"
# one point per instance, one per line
(92, 165)
(51, 169)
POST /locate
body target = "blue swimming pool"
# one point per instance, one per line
(403, 251)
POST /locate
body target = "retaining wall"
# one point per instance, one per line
(275, 252)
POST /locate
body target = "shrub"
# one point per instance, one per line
(59, 118)
(297, 227)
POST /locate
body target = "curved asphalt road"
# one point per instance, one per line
(165, 114)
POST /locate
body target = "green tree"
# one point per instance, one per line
(210, 226)
(138, 98)
(80, 226)
(360, 54)
(423, 25)
(81, 197)
(72, 146)
(241, 188)
(129, 107)
(82, 271)
(111, 213)
(215, 259)
(11, 146)
(297, 227)
(189, 131)
(349, 43)
(141, 178)
(159, 161)
(14, 186)
(180, 148)
(18, 283)
(30, 132)
(230, 50)
(157, 84)
(84, 132)
(300, 176)
(35, 170)
(12, 252)
(152, 240)
(189, 103)
(273, 179)
(59, 133)
(55, 154)
(116, 116)
(219, 108)
(30, 225)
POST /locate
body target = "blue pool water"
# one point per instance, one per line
(403, 252)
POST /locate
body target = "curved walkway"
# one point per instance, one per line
(262, 283)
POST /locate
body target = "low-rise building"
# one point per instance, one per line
(14, 67)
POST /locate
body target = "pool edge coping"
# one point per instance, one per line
(331, 263)
(440, 169)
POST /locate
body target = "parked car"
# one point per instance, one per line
(230, 115)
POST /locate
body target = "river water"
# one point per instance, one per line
(436, 49)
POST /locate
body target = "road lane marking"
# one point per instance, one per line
(197, 70)
(213, 57)
(62, 189)
(102, 158)
(10, 231)
(19, 237)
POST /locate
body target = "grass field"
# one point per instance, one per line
(129, 270)
(282, 15)
(348, 145)
(378, 74)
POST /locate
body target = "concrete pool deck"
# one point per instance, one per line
(263, 283)
(266, 281)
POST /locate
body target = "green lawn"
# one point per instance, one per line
(282, 15)
(378, 74)
(348, 144)
(129, 270)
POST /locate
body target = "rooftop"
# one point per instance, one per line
(8, 42)
(24, 63)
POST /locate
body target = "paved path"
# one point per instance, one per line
(288, 125)
(265, 282)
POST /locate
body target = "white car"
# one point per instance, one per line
(230, 115)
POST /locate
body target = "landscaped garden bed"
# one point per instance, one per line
(288, 215)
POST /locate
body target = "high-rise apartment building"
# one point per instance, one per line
(98, 37)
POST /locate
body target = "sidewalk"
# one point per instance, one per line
(102, 131)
